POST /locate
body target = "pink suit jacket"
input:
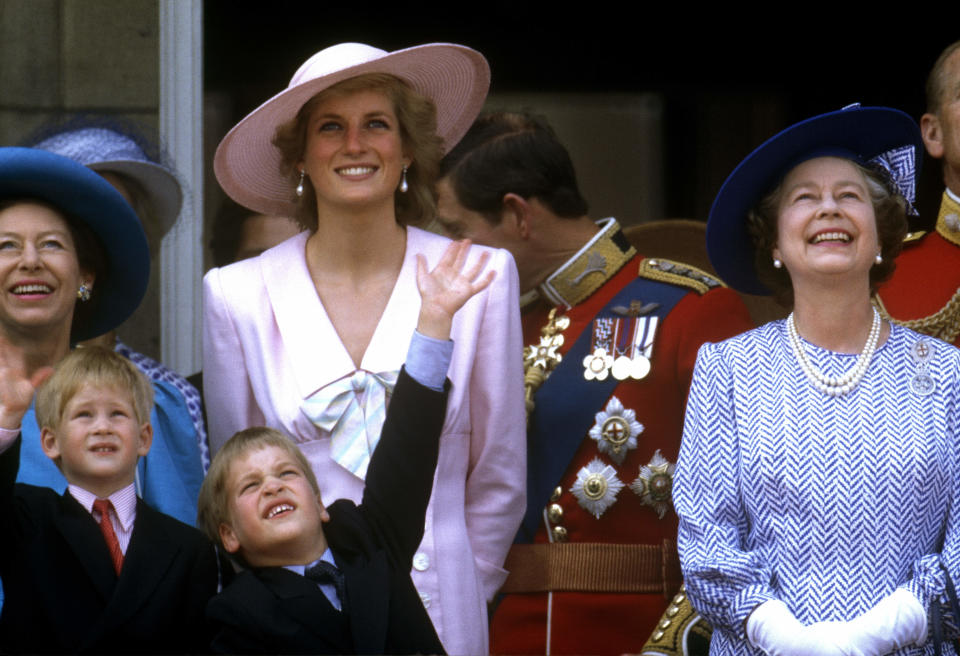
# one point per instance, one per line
(268, 345)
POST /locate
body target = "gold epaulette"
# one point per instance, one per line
(914, 236)
(678, 273)
(680, 632)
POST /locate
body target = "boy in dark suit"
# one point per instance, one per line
(94, 570)
(336, 580)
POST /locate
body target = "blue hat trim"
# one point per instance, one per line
(86, 197)
(880, 135)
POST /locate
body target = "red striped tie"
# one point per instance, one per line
(103, 506)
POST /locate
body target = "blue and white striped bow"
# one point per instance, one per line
(900, 165)
(354, 427)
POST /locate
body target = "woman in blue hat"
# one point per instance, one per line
(820, 461)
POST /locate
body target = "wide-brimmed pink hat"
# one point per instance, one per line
(247, 164)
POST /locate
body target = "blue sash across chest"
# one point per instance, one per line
(566, 405)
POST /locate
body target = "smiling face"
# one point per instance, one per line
(39, 271)
(826, 227)
(275, 515)
(354, 151)
(98, 439)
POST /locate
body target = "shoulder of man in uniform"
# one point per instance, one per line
(678, 273)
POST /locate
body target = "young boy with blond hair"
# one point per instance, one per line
(94, 569)
(337, 580)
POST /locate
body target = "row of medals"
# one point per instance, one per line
(654, 483)
(596, 364)
(607, 357)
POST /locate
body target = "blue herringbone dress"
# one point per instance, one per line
(826, 503)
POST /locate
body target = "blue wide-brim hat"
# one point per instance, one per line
(86, 197)
(858, 133)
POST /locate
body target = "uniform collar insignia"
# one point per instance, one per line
(594, 264)
(948, 221)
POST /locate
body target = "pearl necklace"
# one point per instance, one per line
(827, 384)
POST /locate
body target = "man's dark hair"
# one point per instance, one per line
(507, 152)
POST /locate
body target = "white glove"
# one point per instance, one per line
(773, 628)
(898, 620)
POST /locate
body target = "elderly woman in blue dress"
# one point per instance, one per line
(820, 464)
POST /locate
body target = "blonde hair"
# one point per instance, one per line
(417, 116)
(213, 507)
(98, 367)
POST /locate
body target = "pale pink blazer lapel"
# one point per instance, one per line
(303, 323)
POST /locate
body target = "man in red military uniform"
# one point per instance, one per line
(924, 292)
(612, 340)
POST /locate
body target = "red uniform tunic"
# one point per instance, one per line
(577, 622)
(924, 292)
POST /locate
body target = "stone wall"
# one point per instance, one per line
(64, 57)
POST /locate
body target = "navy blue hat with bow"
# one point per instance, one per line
(867, 135)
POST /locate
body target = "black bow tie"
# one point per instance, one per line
(324, 572)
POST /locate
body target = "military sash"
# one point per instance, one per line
(566, 406)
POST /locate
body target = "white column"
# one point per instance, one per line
(181, 254)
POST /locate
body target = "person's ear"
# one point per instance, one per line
(517, 210)
(85, 289)
(48, 442)
(229, 538)
(932, 135)
(146, 439)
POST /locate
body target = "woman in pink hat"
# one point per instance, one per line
(308, 337)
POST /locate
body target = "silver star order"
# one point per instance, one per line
(654, 485)
(616, 430)
(544, 354)
(596, 366)
(596, 487)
